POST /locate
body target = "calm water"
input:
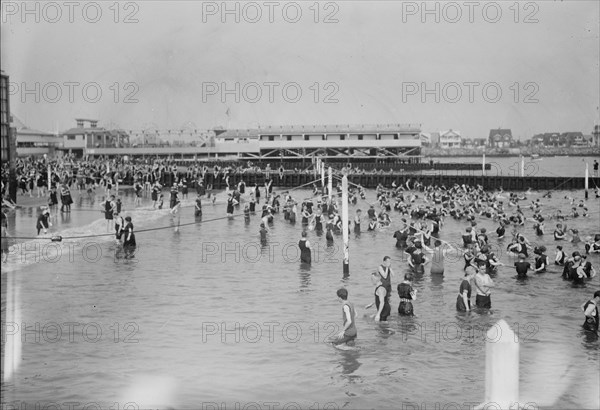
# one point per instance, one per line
(543, 167)
(207, 315)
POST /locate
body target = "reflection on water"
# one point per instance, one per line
(304, 273)
(184, 292)
(349, 364)
(437, 282)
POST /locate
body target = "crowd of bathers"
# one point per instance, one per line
(421, 210)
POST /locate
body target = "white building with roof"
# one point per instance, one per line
(32, 142)
(450, 139)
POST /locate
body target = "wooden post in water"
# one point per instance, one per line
(522, 166)
(322, 166)
(501, 367)
(586, 182)
(49, 178)
(346, 261)
(330, 184)
(483, 164)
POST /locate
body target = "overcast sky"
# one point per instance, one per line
(372, 63)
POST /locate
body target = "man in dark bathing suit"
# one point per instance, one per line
(381, 299)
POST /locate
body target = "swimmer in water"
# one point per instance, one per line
(129, 244)
(522, 267)
(381, 300)
(198, 206)
(541, 260)
(119, 226)
(407, 295)
(463, 300)
(43, 221)
(263, 233)
(247, 213)
(560, 256)
(591, 311)
(559, 232)
(231, 202)
(348, 333)
(483, 284)
(305, 250)
(575, 238)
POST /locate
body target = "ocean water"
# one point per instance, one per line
(564, 166)
(207, 317)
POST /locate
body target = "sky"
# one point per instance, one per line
(531, 66)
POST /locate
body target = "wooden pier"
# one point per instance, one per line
(508, 183)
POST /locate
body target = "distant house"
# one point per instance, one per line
(547, 139)
(500, 138)
(538, 140)
(554, 140)
(425, 139)
(573, 139)
(479, 142)
(450, 139)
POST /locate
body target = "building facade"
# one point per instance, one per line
(564, 140)
(500, 138)
(7, 134)
(88, 136)
(450, 139)
(32, 142)
(5, 107)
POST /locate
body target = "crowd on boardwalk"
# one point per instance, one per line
(419, 212)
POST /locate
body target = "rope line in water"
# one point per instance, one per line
(141, 230)
(137, 231)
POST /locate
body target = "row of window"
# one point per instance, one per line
(329, 137)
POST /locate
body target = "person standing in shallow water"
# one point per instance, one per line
(437, 259)
(522, 267)
(381, 299)
(263, 233)
(43, 221)
(407, 295)
(357, 220)
(592, 313)
(483, 285)
(386, 273)
(305, 252)
(348, 333)
(129, 244)
(463, 300)
(198, 207)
